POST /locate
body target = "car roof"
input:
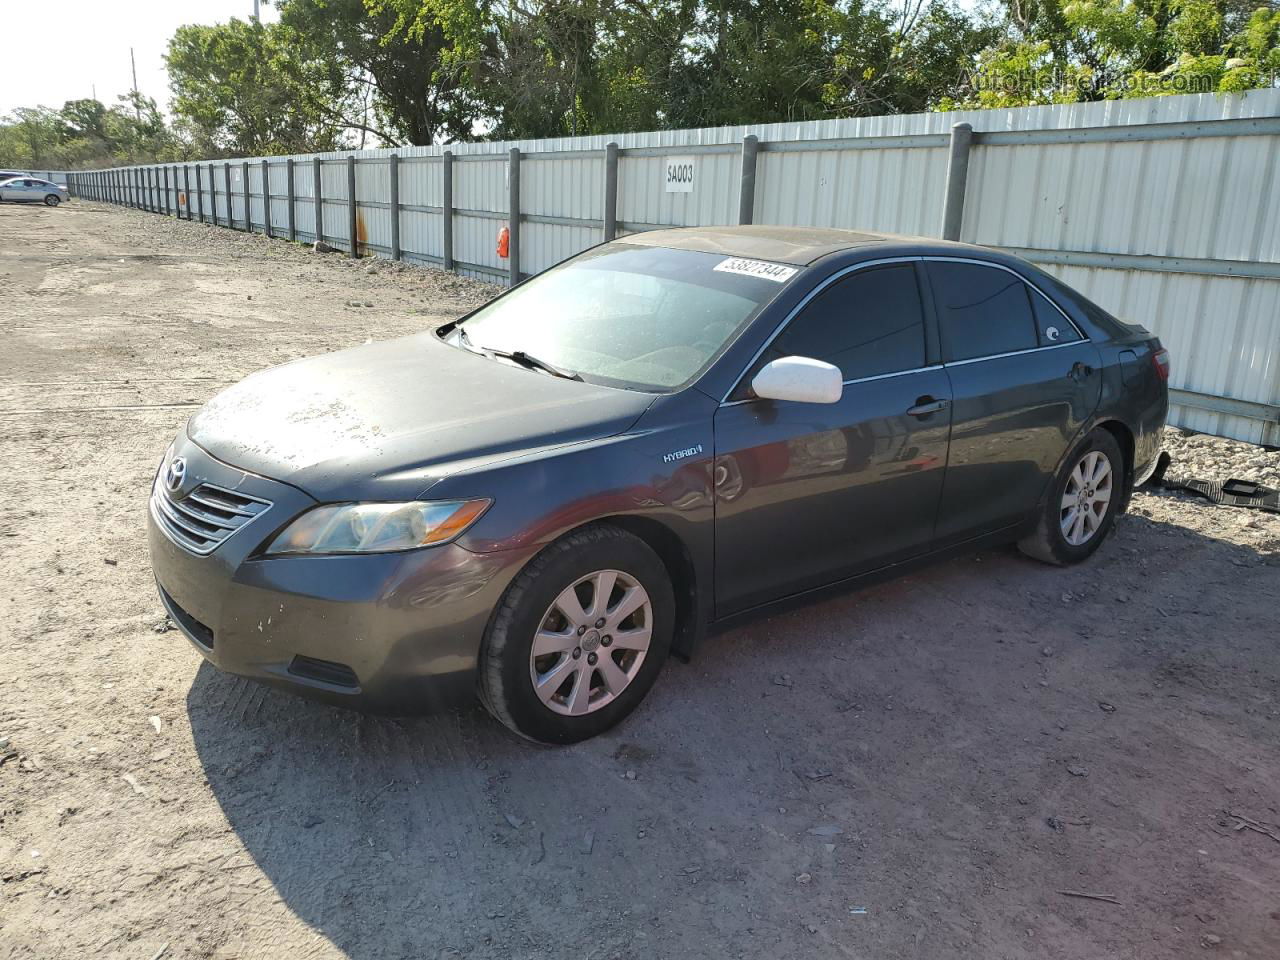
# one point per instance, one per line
(800, 246)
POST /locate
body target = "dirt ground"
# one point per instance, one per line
(918, 770)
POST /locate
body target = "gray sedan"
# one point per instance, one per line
(32, 190)
(535, 504)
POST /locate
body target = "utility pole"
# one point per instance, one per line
(255, 9)
(137, 111)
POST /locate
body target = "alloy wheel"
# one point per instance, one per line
(1086, 498)
(591, 642)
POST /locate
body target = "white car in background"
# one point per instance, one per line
(33, 190)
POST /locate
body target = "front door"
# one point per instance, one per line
(807, 494)
(1024, 382)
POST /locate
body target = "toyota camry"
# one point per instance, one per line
(538, 503)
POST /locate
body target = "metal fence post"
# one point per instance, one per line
(351, 206)
(231, 206)
(394, 167)
(248, 208)
(288, 188)
(513, 217)
(213, 196)
(957, 176)
(610, 191)
(266, 199)
(165, 170)
(446, 209)
(150, 195)
(199, 193)
(317, 187)
(186, 188)
(153, 174)
(747, 187)
(144, 188)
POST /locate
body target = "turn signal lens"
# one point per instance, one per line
(378, 527)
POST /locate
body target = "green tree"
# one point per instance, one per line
(85, 133)
(412, 95)
(554, 67)
(1070, 50)
(247, 89)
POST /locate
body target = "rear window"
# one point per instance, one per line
(983, 311)
(648, 318)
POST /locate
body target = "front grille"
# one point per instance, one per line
(204, 517)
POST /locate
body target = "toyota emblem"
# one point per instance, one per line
(175, 473)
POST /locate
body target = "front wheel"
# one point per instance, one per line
(52, 200)
(1082, 502)
(579, 637)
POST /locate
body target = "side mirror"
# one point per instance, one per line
(800, 379)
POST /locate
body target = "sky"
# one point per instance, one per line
(85, 45)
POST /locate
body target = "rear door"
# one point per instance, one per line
(1024, 381)
(806, 493)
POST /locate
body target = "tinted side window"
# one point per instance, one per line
(1051, 325)
(982, 310)
(867, 323)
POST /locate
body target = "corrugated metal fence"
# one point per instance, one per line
(1164, 211)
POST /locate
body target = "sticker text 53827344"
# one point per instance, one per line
(777, 272)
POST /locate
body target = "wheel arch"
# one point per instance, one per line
(1124, 438)
(690, 622)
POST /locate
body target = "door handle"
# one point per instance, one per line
(927, 405)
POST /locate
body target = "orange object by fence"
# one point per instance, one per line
(504, 242)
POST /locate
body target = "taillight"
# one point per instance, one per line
(1160, 360)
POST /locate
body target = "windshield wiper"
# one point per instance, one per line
(465, 339)
(518, 356)
(526, 360)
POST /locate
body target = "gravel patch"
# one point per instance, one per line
(1199, 456)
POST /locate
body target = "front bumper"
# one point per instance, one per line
(396, 631)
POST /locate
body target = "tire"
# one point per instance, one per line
(579, 562)
(52, 200)
(1074, 519)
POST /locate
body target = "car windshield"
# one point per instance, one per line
(647, 318)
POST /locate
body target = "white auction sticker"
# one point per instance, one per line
(757, 268)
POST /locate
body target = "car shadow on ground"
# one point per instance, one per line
(841, 753)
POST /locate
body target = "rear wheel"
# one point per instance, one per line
(52, 200)
(1082, 503)
(579, 637)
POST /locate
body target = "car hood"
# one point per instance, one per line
(386, 420)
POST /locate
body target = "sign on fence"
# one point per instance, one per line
(679, 175)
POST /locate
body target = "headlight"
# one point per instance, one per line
(378, 527)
